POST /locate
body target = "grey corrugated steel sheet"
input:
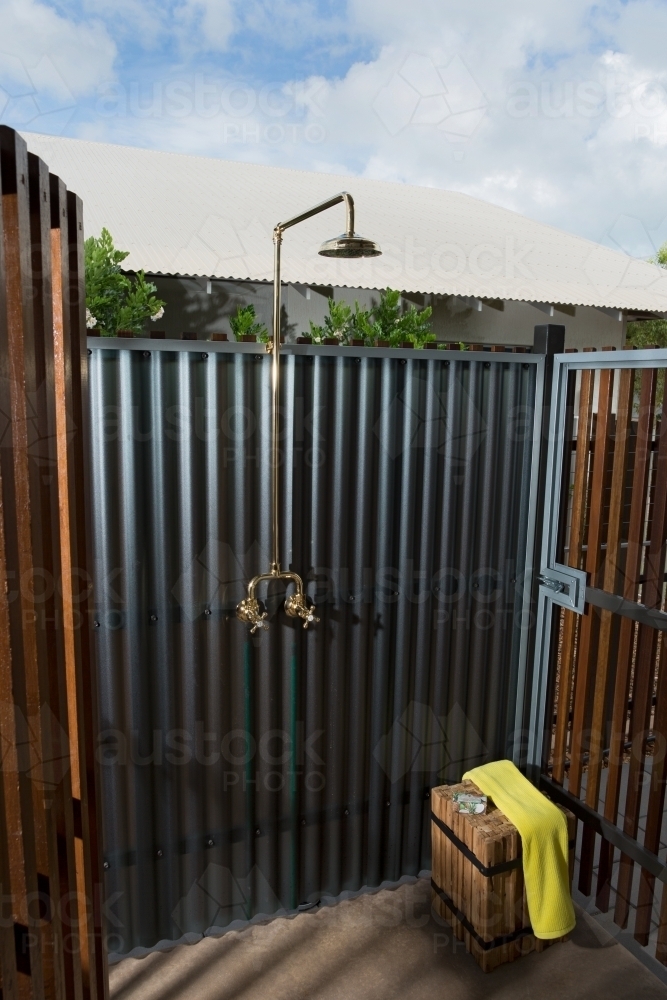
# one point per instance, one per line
(246, 775)
(190, 215)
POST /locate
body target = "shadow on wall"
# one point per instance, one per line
(204, 306)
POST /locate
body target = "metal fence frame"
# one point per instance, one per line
(570, 588)
(574, 596)
(530, 488)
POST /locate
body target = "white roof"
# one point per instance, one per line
(192, 215)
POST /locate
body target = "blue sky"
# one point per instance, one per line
(558, 111)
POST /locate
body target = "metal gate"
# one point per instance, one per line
(246, 775)
(598, 730)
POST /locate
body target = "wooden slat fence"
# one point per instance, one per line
(609, 735)
(51, 941)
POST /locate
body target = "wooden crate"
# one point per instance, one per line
(486, 909)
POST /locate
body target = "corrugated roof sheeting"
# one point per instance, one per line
(189, 215)
(247, 775)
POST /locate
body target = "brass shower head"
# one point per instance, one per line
(350, 245)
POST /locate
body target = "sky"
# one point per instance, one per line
(557, 110)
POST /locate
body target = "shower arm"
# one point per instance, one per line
(249, 610)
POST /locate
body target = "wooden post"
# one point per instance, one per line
(49, 854)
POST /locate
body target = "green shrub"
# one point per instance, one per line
(363, 327)
(387, 320)
(336, 324)
(114, 300)
(244, 324)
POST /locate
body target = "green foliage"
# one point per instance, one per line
(316, 333)
(385, 321)
(116, 301)
(245, 324)
(415, 325)
(651, 332)
(386, 315)
(648, 333)
(660, 257)
(398, 326)
(336, 324)
(363, 327)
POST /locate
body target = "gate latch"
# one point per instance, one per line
(556, 585)
(566, 586)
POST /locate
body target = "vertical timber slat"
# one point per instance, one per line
(588, 629)
(604, 653)
(578, 520)
(46, 679)
(644, 673)
(633, 562)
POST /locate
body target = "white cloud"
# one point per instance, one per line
(564, 129)
(65, 57)
(556, 110)
(216, 20)
(194, 26)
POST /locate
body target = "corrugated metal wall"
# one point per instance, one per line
(245, 775)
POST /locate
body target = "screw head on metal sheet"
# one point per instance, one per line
(159, 853)
(106, 865)
(153, 618)
(96, 624)
(89, 351)
(210, 842)
(204, 356)
(258, 832)
(207, 612)
(146, 354)
(347, 812)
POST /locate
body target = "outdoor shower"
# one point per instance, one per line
(348, 244)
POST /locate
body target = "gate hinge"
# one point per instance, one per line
(565, 586)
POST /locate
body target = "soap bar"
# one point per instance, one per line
(474, 805)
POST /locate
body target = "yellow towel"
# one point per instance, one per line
(544, 837)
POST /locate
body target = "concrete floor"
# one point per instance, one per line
(378, 947)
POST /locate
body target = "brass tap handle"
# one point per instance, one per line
(296, 607)
(249, 611)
